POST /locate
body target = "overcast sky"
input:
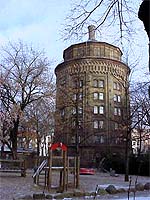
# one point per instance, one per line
(34, 21)
(38, 22)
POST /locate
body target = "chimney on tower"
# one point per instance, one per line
(91, 29)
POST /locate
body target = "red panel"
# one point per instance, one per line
(58, 145)
(84, 171)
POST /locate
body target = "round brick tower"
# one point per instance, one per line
(92, 99)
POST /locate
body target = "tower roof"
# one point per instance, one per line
(92, 48)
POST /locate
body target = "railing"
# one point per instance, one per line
(40, 168)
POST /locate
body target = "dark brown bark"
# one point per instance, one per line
(127, 154)
(38, 144)
(2, 150)
(126, 163)
(13, 137)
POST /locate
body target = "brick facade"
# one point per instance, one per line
(92, 99)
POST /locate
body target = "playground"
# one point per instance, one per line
(47, 168)
(58, 173)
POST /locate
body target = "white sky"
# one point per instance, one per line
(34, 21)
(38, 22)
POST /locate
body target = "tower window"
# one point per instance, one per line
(77, 96)
(101, 109)
(117, 111)
(98, 124)
(98, 83)
(80, 96)
(80, 110)
(74, 97)
(81, 83)
(95, 83)
(73, 123)
(98, 109)
(98, 95)
(101, 124)
(95, 109)
(95, 95)
(101, 83)
(62, 112)
(117, 98)
(99, 139)
(101, 96)
(116, 126)
(117, 86)
(74, 111)
(77, 83)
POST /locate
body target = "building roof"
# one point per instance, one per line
(93, 42)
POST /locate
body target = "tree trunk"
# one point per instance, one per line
(126, 178)
(127, 151)
(38, 144)
(13, 136)
(2, 150)
(140, 143)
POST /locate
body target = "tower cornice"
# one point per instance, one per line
(97, 66)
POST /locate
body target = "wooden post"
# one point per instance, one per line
(64, 170)
(60, 180)
(67, 173)
(45, 179)
(77, 171)
(23, 168)
(49, 175)
(38, 163)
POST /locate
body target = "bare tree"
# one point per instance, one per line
(140, 106)
(120, 14)
(25, 79)
(135, 113)
(140, 97)
(115, 21)
(40, 118)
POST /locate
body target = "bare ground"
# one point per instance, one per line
(12, 185)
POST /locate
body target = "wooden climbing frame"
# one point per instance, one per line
(65, 165)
